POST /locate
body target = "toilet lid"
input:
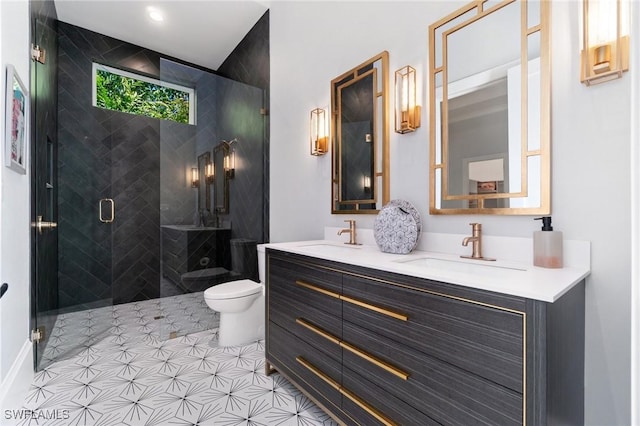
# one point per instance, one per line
(233, 290)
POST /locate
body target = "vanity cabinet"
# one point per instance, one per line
(374, 347)
(183, 249)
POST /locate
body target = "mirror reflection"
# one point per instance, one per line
(204, 188)
(490, 111)
(220, 178)
(360, 138)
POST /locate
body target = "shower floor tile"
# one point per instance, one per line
(126, 373)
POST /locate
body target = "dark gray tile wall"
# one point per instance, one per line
(105, 154)
(247, 187)
(180, 144)
(135, 184)
(249, 63)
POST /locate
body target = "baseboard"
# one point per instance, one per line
(13, 389)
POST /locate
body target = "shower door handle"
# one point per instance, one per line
(41, 225)
(112, 210)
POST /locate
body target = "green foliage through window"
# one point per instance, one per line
(120, 93)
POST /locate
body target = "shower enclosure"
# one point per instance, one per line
(117, 179)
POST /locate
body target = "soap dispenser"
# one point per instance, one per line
(547, 245)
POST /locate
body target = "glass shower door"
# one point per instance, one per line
(44, 216)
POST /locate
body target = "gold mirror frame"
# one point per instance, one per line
(438, 150)
(379, 181)
(220, 179)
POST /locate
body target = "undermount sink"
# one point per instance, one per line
(327, 248)
(463, 266)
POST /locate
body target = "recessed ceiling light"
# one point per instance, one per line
(155, 14)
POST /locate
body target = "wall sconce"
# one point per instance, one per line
(605, 40)
(209, 172)
(230, 163)
(195, 177)
(366, 183)
(407, 112)
(318, 130)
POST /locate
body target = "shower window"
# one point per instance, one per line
(124, 91)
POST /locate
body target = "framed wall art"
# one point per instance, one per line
(16, 122)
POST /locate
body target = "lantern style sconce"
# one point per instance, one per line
(195, 177)
(407, 112)
(230, 163)
(605, 40)
(209, 172)
(319, 136)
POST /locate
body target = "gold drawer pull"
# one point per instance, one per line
(375, 308)
(350, 395)
(372, 359)
(318, 373)
(318, 289)
(353, 301)
(318, 331)
(354, 349)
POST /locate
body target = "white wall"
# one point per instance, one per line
(14, 205)
(635, 218)
(313, 42)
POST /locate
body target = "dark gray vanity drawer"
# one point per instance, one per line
(300, 320)
(395, 410)
(446, 393)
(308, 285)
(289, 354)
(485, 340)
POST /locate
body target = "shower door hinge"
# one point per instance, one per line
(37, 335)
(38, 54)
(264, 111)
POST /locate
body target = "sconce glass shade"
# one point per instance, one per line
(605, 40)
(210, 172)
(195, 177)
(366, 183)
(230, 163)
(319, 136)
(407, 113)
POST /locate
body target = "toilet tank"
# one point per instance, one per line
(261, 257)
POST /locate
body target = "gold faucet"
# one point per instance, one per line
(476, 239)
(351, 231)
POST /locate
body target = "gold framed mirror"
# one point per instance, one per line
(489, 97)
(220, 179)
(360, 138)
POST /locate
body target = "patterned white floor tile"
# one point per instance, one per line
(112, 366)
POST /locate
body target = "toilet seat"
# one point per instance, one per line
(233, 290)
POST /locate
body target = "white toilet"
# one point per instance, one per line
(241, 307)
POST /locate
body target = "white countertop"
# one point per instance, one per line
(506, 277)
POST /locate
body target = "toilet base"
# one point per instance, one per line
(242, 327)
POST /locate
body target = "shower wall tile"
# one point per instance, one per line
(248, 186)
(249, 63)
(181, 144)
(135, 184)
(105, 154)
